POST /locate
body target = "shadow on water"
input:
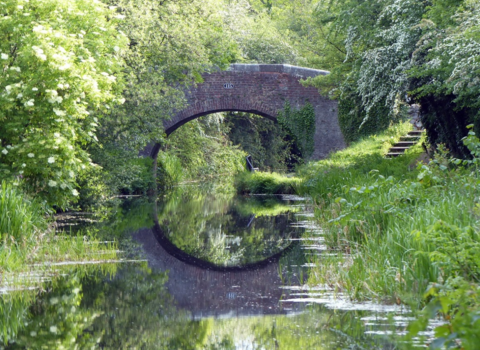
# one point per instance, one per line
(213, 278)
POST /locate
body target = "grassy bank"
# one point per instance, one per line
(331, 174)
(31, 250)
(400, 228)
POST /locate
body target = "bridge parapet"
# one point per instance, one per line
(299, 72)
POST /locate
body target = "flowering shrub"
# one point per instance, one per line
(59, 67)
(383, 54)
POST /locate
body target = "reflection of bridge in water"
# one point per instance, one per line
(207, 290)
(173, 250)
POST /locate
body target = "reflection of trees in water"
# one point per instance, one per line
(315, 328)
(224, 229)
(292, 266)
(131, 311)
(13, 315)
(221, 228)
(54, 320)
(135, 311)
(139, 313)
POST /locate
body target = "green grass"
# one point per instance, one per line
(265, 183)
(398, 228)
(346, 166)
(369, 206)
(19, 218)
(29, 246)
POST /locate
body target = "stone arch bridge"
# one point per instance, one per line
(261, 89)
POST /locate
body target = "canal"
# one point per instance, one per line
(200, 269)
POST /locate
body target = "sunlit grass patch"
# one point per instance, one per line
(266, 183)
(368, 206)
(342, 167)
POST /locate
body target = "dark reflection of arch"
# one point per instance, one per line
(179, 254)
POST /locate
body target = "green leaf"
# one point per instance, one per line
(437, 343)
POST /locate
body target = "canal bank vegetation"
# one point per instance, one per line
(339, 167)
(31, 249)
(402, 231)
(265, 183)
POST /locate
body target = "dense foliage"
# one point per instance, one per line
(59, 61)
(198, 150)
(170, 44)
(270, 146)
(385, 54)
(445, 75)
(300, 124)
(86, 83)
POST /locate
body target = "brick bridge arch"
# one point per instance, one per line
(261, 89)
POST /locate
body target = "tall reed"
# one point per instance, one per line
(19, 217)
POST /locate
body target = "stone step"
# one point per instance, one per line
(416, 132)
(409, 138)
(398, 149)
(405, 144)
(392, 155)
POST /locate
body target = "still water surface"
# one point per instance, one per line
(213, 271)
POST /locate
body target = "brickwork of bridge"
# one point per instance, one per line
(261, 89)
